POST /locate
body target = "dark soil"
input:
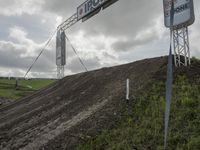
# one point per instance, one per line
(4, 101)
(59, 116)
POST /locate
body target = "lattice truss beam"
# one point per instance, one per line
(181, 47)
(69, 22)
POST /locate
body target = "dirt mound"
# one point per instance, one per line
(56, 117)
(4, 101)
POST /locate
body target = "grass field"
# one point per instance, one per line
(8, 89)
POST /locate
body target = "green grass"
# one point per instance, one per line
(143, 129)
(26, 87)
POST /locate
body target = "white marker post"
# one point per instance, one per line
(127, 89)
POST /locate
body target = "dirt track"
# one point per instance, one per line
(56, 117)
(4, 101)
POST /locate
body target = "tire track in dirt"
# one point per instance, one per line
(44, 138)
(4, 109)
(57, 111)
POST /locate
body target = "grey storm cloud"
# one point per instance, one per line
(129, 44)
(124, 18)
(64, 8)
(90, 63)
(12, 57)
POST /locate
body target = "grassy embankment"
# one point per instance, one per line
(8, 89)
(144, 128)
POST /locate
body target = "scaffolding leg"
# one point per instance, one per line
(181, 47)
(60, 72)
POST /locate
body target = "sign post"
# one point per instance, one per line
(179, 14)
(60, 53)
(183, 17)
(91, 7)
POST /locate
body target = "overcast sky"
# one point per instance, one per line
(127, 31)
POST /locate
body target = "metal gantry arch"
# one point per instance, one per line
(61, 28)
(85, 11)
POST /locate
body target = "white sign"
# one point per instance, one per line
(183, 12)
(88, 7)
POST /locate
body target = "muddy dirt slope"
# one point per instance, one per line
(58, 116)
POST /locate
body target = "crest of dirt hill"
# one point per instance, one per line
(61, 115)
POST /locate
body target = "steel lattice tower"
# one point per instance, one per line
(181, 47)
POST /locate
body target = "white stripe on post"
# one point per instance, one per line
(127, 89)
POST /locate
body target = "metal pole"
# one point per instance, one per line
(188, 46)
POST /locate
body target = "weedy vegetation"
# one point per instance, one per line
(144, 128)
